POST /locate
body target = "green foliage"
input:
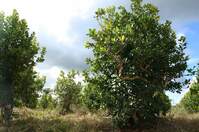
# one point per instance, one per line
(136, 59)
(27, 93)
(47, 101)
(20, 52)
(92, 98)
(177, 110)
(191, 99)
(67, 90)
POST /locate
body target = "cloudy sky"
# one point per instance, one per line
(61, 27)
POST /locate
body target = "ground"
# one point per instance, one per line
(27, 120)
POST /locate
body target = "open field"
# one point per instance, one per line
(27, 120)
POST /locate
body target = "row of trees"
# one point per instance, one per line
(68, 92)
(20, 84)
(136, 59)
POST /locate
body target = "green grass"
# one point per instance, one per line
(27, 120)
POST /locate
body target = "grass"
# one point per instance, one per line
(27, 120)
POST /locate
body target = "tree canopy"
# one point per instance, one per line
(67, 90)
(136, 58)
(190, 101)
(20, 52)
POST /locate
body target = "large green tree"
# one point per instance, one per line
(136, 58)
(20, 52)
(67, 90)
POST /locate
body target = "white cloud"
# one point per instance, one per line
(176, 97)
(53, 17)
(51, 73)
(79, 78)
(179, 35)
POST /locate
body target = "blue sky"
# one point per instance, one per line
(61, 26)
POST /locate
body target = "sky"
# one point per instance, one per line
(61, 26)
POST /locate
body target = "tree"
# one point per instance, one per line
(91, 97)
(27, 88)
(47, 101)
(67, 90)
(20, 52)
(190, 101)
(135, 60)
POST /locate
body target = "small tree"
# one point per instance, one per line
(135, 60)
(47, 100)
(67, 90)
(91, 97)
(190, 101)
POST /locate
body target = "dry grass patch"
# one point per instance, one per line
(27, 120)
